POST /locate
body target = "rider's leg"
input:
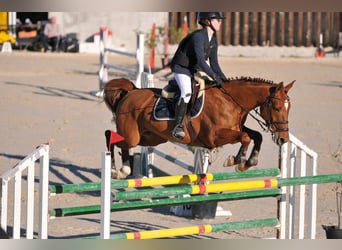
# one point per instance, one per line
(184, 83)
(178, 131)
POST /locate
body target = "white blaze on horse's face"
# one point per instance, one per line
(286, 104)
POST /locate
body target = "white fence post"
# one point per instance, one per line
(44, 194)
(304, 223)
(105, 195)
(282, 201)
(103, 71)
(140, 58)
(30, 201)
(104, 65)
(15, 174)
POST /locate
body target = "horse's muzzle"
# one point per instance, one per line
(280, 141)
(280, 138)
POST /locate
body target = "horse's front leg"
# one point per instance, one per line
(127, 161)
(112, 155)
(257, 138)
(239, 158)
(126, 168)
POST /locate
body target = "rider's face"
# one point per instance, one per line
(216, 23)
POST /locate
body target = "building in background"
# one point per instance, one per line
(264, 29)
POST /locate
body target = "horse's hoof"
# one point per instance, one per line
(114, 174)
(125, 170)
(241, 167)
(122, 173)
(230, 161)
(252, 163)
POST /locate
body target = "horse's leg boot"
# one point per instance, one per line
(178, 131)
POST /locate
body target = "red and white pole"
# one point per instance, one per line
(153, 43)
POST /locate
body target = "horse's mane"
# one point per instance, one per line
(250, 79)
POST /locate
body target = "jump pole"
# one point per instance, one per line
(142, 204)
(162, 181)
(60, 212)
(191, 230)
(225, 187)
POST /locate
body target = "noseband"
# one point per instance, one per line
(270, 122)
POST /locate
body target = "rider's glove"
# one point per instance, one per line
(219, 82)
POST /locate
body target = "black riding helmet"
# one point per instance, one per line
(203, 16)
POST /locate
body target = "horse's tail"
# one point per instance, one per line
(114, 91)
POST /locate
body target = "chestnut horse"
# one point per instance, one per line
(220, 122)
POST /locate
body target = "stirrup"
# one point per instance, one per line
(178, 132)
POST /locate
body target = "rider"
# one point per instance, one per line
(196, 52)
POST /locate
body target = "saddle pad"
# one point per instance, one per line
(164, 109)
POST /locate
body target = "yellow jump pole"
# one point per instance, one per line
(196, 189)
(193, 230)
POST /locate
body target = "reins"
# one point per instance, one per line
(261, 123)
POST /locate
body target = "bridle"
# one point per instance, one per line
(268, 124)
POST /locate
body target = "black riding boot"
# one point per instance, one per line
(178, 131)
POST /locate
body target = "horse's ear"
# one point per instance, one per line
(289, 86)
(279, 86)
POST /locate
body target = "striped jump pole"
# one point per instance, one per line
(193, 230)
(272, 187)
(193, 189)
(163, 181)
(142, 204)
(225, 187)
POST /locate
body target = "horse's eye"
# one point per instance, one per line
(276, 109)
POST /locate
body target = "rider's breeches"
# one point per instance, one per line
(184, 84)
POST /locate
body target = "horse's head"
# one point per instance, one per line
(275, 111)
(114, 91)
